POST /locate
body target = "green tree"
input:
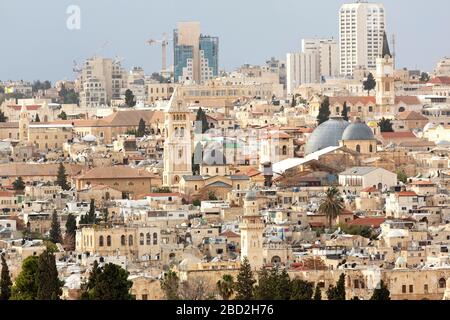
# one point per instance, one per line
(317, 293)
(61, 177)
(141, 131)
(344, 113)
(26, 284)
(49, 285)
(201, 116)
(109, 282)
(90, 217)
(401, 176)
(385, 125)
(71, 225)
(369, 84)
(19, 185)
(225, 286)
(332, 205)
(337, 292)
(5, 280)
(55, 230)
(170, 284)
(301, 290)
(212, 196)
(381, 293)
(129, 98)
(2, 117)
(424, 77)
(37, 119)
(62, 115)
(324, 111)
(245, 281)
(162, 190)
(265, 289)
(283, 286)
(197, 203)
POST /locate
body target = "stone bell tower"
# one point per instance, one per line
(24, 123)
(385, 89)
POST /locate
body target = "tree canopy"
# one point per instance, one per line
(49, 286)
(55, 229)
(129, 98)
(337, 292)
(381, 293)
(61, 178)
(5, 280)
(245, 281)
(19, 184)
(332, 205)
(370, 83)
(26, 284)
(324, 111)
(385, 125)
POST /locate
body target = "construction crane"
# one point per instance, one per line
(164, 42)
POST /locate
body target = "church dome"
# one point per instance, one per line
(358, 131)
(250, 196)
(326, 135)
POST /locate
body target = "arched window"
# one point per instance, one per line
(155, 238)
(442, 283)
(123, 240)
(141, 239)
(148, 241)
(358, 148)
(130, 240)
(100, 241)
(401, 109)
(284, 150)
(108, 241)
(370, 109)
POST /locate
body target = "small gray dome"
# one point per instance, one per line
(326, 135)
(358, 131)
(213, 157)
(250, 196)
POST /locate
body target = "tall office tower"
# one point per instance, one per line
(361, 29)
(317, 60)
(328, 51)
(302, 68)
(101, 81)
(196, 57)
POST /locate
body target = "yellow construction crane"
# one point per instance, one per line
(164, 42)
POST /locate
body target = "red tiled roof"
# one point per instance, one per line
(411, 115)
(422, 183)
(406, 194)
(440, 80)
(230, 234)
(374, 222)
(29, 108)
(397, 135)
(370, 189)
(410, 100)
(7, 194)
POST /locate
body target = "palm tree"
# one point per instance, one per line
(332, 205)
(225, 286)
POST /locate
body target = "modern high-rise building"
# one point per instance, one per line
(318, 60)
(101, 81)
(361, 29)
(196, 57)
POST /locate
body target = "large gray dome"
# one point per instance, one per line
(326, 135)
(358, 131)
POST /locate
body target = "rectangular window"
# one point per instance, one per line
(403, 288)
(411, 288)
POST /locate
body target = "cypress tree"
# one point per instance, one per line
(5, 280)
(245, 281)
(141, 129)
(301, 290)
(49, 285)
(337, 292)
(324, 111)
(37, 119)
(170, 285)
(382, 293)
(71, 225)
(55, 231)
(344, 113)
(317, 293)
(61, 178)
(370, 83)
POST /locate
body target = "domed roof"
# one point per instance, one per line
(250, 196)
(358, 131)
(89, 138)
(372, 124)
(326, 135)
(214, 157)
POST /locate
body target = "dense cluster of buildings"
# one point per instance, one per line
(209, 167)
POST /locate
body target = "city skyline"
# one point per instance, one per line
(285, 24)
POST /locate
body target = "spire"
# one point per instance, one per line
(386, 50)
(175, 103)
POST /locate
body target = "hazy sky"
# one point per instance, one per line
(36, 44)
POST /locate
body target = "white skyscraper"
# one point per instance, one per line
(361, 29)
(318, 58)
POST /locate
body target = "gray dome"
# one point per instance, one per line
(358, 131)
(213, 157)
(250, 196)
(326, 135)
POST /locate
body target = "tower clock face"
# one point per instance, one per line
(387, 70)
